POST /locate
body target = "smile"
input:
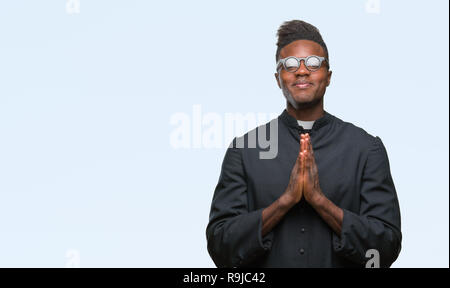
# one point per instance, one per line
(303, 85)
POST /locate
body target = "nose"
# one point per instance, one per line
(302, 70)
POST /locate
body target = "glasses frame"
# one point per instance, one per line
(282, 62)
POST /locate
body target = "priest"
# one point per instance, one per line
(326, 200)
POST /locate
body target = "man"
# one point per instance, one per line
(326, 200)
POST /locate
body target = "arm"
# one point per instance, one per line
(330, 213)
(378, 224)
(293, 194)
(233, 233)
(274, 213)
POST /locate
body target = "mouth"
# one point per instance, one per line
(303, 84)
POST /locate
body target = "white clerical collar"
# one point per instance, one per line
(306, 124)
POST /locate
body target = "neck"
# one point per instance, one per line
(307, 113)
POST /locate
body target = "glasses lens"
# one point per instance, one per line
(313, 63)
(291, 64)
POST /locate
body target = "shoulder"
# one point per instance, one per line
(359, 138)
(258, 136)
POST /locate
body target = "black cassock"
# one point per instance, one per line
(354, 174)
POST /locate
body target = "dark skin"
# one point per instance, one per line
(310, 100)
(304, 178)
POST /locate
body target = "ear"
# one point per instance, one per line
(329, 77)
(278, 80)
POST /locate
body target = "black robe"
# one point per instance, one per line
(354, 174)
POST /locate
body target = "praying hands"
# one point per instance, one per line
(304, 182)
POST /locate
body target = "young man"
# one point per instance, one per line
(326, 200)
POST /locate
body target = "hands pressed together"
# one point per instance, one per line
(304, 180)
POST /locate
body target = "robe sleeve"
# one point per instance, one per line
(377, 226)
(234, 233)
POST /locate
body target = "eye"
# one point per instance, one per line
(313, 63)
(291, 64)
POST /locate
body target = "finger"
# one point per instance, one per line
(306, 167)
(311, 159)
(308, 153)
(305, 158)
(308, 145)
(302, 144)
(309, 166)
(305, 145)
(310, 148)
(302, 166)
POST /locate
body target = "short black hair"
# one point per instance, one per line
(293, 30)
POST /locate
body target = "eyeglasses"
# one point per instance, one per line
(292, 63)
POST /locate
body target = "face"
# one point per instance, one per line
(303, 88)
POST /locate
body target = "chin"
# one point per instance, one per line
(300, 101)
(306, 102)
(304, 99)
